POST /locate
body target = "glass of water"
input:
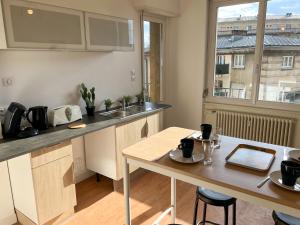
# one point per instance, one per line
(216, 137)
(208, 148)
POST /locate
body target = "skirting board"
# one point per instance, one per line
(11, 219)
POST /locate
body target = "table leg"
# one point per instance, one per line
(173, 199)
(126, 191)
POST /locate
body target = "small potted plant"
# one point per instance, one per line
(89, 97)
(140, 98)
(127, 100)
(108, 103)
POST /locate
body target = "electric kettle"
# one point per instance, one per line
(39, 118)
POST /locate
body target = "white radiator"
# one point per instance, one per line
(273, 130)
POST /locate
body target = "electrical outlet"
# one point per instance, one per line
(7, 81)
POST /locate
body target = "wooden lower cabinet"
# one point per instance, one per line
(126, 135)
(104, 148)
(154, 123)
(7, 212)
(43, 185)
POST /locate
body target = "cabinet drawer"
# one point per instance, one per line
(49, 154)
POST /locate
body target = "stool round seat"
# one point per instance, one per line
(210, 197)
(284, 219)
(214, 198)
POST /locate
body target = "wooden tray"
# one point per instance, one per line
(251, 157)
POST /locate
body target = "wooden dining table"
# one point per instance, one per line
(153, 154)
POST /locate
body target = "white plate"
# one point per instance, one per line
(295, 154)
(276, 178)
(176, 155)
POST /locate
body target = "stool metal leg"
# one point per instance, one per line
(226, 215)
(173, 199)
(195, 211)
(234, 214)
(204, 214)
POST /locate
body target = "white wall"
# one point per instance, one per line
(51, 77)
(161, 7)
(185, 65)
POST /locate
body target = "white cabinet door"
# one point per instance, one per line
(106, 33)
(101, 32)
(100, 150)
(125, 35)
(2, 30)
(34, 25)
(7, 213)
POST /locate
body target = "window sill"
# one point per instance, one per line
(238, 67)
(287, 68)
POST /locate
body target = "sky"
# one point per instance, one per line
(146, 34)
(275, 7)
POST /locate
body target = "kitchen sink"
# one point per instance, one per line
(130, 111)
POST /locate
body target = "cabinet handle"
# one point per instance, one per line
(147, 129)
(144, 131)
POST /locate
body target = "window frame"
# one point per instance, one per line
(287, 66)
(221, 59)
(210, 68)
(241, 61)
(156, 19)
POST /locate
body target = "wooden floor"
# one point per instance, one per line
(99, 205)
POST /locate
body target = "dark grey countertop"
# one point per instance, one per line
(13, 148)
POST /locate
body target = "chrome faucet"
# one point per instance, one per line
(123, 104)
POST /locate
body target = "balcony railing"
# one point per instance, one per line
(222, 69)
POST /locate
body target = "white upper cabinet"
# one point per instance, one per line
(39, 26)
(101, 32)
(28, 25)
(125, 35)
(108, 33)
(2, 30)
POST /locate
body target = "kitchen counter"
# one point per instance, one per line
(55, 135)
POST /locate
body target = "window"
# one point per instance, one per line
(153, 36)
(221, 59)
(288, 26)
(261, 56)
(278, 81)
(239, 61)
(236, 82)
(287, 62)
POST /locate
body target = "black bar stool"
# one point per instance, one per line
(216, 199)
(284, 219)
